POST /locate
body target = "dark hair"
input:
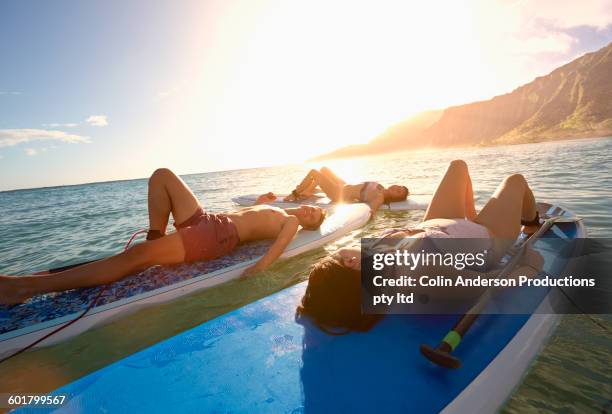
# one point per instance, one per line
(333, 298)
(317, 224)
(391, 199)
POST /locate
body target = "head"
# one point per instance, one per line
(396, 193)
(333, 296)
(310, 217)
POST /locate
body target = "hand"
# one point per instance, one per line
(250, 271)
(266, 198)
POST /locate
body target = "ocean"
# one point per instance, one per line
(49, 227)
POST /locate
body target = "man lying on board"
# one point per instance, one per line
(199, 236)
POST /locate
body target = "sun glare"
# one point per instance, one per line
(302, 79)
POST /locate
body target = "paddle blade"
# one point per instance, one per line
(440, 357)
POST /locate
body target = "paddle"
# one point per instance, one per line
(82, 314)
(62, 268)
(441, 355)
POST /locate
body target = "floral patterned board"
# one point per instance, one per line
(55, 305)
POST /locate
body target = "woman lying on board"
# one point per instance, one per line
(333, 296)
(339, 191)
(199, 236)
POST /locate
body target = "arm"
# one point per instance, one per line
(375, 204)
(286, 234)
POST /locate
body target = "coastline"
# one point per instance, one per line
(480, 145)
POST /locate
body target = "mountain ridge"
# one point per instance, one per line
(572, 101)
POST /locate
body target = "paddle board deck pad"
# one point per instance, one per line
(25, 323)
(259, 358)
(414, 202)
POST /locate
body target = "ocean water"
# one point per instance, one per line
(49, 227)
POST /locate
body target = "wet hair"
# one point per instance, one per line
(318, 223)
(391, 199)
(333, 299)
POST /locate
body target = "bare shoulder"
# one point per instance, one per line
(262, 208)
(277, 209)
(292, 220)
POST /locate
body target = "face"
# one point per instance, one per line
(350, 257)
(396, 192)
(309, 215)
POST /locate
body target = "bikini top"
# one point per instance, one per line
(367, 189)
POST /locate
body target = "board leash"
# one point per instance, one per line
(91, 305)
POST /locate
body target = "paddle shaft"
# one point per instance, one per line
(441, 355)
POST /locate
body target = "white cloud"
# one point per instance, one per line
(535, 27)
(566, 14)
(10, 93)
(547, 42)
(57, 125)
(515, 41)
(97, 120)
(10, 137)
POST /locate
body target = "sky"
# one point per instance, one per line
(106, 90)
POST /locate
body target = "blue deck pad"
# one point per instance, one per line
(260, 359)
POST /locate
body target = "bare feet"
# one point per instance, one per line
(299, 197)
(12, 290)
(266, 198)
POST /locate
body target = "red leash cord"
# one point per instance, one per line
(127, 245)
(67, 324)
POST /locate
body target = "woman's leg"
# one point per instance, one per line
(165, 251)
(512, 202)
(454, 197)
(168, 193)
(304, 194)
(329, 187)
(470, 208)
(332, 176)
(310, 190)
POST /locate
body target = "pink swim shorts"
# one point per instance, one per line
(207, 236)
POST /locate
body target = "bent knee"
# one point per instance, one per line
(314, 173)
(161, 174)
(460, 164)
(515, 180)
